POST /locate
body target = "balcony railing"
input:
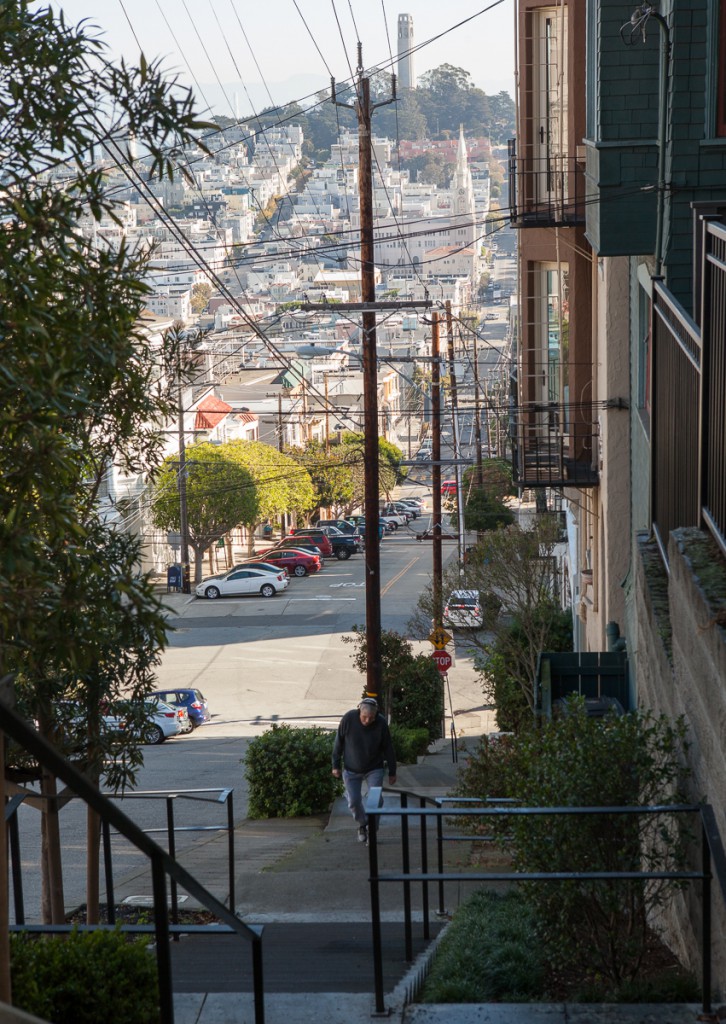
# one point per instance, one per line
(688, 446)
(555, 446)
(546, 191)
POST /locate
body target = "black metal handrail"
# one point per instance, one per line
(162, 865)
(224, 797)
(713, 859)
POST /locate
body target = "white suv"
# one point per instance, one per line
(463, 610)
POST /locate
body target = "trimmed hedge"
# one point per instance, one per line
(288, 771)
(409, 743)
(84, 978)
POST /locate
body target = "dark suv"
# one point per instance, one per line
(343, 545)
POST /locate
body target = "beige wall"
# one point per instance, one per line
(687, 676)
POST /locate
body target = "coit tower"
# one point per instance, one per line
(406, 77)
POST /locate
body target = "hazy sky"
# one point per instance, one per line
(259, 49)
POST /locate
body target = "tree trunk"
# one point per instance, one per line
(52, 863)
(93, 831)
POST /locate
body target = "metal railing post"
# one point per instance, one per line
(424, 869)
(376, 918)
(230, 848)
(406, 857)
(440, 857)
(108, 871)
(258, 980)
(706, 922)
(171, 842)
(14, 837)
(163, 952)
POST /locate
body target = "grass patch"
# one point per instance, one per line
(489, 954)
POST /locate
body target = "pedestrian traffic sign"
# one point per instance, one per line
(439, 637)
(443, 660)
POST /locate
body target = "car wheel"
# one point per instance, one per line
(192, 724)
(342, 555)
(300, 570)
(156, 735)
(267, 590)
(394, 526)
(212, 593)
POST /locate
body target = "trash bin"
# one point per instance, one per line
(173, 578)
(267, 531)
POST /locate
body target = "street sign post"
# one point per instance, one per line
(443, 660)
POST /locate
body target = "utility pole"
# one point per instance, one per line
(363, 109)
(477, 419)
(457, 444)
(327, 416)
(182, 482)
(437, 561)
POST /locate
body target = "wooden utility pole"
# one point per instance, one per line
(363, 109)
(457, 444)
(183, 517)
(477, 419)
(327, 416)
(437, 561)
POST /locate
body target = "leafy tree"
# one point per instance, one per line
(389, 463)
(221, 495)
(413, 694)
(81, 385)
(331, 476)
(616, 761)
(432, 168)
(281, 484)
(513, 570)
(201, 294)
(505, 662)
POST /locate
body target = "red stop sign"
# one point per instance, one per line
(442, 659)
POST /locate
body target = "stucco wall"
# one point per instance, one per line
(688, 680)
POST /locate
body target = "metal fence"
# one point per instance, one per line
(163, 866)
(437, 812)
(545, 191)
(714, 377)
(688, 438)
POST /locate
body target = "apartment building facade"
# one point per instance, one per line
(618, 186)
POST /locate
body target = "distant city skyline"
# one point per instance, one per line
(238, 58)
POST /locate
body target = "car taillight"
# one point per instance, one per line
(196, 705)
(169, 714)
(280, 577)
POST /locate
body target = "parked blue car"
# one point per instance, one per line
(193, 700)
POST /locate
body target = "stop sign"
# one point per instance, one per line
(442, 659)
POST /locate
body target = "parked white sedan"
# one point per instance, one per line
(240, 581)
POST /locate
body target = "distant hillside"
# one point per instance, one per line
(444, 99)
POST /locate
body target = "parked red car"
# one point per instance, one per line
(310, 536)
(297, 563)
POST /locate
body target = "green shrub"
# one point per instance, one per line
(482, 775)
(489, 954)
(288, 771)
(412, 689)
(409, 743)
(84, 978)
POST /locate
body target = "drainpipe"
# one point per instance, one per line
(664, 74)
